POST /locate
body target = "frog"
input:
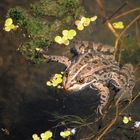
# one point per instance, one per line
(94, 66)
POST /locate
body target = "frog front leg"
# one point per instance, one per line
(124, 81)
(104, 96)
(60, 59)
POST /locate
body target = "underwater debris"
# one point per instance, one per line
(137, 124)
(118, 25)
(73, 131)
(84, 22)
(8, 26)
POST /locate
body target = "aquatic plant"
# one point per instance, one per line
(126, 119)
(43, 136)
(8, 26)
(58, 8)
(67, 35)
(55, 81)
(40, 31)
(118, 25)
(65, 134)
(84, 21)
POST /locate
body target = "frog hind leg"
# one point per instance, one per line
(127, 72)
(104, 96)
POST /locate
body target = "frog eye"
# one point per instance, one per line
(80, 80)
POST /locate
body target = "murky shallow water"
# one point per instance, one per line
(25, 101)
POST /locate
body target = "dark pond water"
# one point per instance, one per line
(26, 104)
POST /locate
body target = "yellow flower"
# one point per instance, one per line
(46, 136)
(65, 134)
(118, 25)
(35, 137)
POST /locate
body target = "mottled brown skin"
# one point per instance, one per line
(95, 67)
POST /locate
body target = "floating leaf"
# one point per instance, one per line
(78, 22)
(126, 119)
(65, 32)
(58, 75)
(58, 39)
(47, 135)
(59, 86)
(8, 22)
(66, 42)
(48, 83)
(80, 27)
(37, 49)
(86, 22)
(83, 19)
(118, 25)
(7, 28)
(65, 134)
(59, 80)
(72, 32)
(35, 137)
(64, 38)
(93, 18)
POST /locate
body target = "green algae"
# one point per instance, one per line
(38, 26)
